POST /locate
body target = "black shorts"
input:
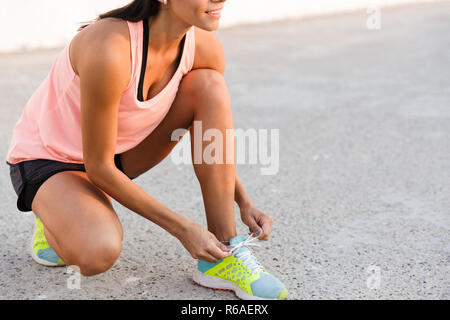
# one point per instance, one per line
(28, 176)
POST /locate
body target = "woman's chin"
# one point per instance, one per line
(210, 26)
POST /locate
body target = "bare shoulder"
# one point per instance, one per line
(209, 51)
(105, 40)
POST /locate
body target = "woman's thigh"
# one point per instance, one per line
(197, 89)
(79, 220)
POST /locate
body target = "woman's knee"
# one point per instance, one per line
(201, 82)
(99, 255)
(208, 92)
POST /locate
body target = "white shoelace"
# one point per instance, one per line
(246, 256)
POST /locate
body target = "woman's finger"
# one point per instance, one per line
(223, 247)
(218, 253)
(266, 226)
(206, 256)
(253, 225)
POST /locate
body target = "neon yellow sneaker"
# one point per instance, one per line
(241, 273)
(41, 252)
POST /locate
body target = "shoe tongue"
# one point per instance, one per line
(236, 240)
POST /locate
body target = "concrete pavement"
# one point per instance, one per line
(361, 200)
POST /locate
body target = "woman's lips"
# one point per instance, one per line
(218, 9)
(215, 13)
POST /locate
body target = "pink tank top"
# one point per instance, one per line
(50, 125)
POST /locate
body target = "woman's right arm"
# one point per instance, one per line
(104, 72)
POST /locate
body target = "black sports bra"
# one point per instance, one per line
(140, 96)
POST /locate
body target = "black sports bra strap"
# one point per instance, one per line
(144, 60)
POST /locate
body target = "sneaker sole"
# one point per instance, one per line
(211, 282)
(39, 260)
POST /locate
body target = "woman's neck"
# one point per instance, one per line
(166, 32)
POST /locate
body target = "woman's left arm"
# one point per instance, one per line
(253, 217)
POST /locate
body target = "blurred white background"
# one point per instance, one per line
(39, 24)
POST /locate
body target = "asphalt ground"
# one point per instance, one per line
(361, 196)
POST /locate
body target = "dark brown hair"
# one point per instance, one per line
(135, 11)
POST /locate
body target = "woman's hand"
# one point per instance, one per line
(257, 221)
(202, 244)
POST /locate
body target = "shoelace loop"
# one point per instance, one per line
(247, 257)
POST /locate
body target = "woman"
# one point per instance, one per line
(105, 115)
